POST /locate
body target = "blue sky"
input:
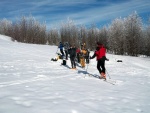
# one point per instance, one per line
(86, 12)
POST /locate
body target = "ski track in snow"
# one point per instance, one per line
(38, 78)
(31, 83)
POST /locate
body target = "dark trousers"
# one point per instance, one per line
(66, 53)
(73, 64)
(78, 57)
(101, 66)
(61, 50)
(87, 59)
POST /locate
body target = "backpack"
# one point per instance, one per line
(83, 53)
(64, 62)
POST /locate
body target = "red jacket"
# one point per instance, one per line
(100, 53)
(78, 50)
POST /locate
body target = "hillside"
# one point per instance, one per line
(31, 83)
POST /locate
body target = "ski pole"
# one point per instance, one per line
(87, 68)
(56, 50)
(108, 74)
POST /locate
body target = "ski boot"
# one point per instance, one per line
(102, 76)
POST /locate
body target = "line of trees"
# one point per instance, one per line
(125, 36)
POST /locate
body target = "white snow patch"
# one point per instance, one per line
(31, 83)
(5, 38)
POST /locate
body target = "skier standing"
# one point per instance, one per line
(83, 53)
(61, 48)
(100, 54)
(72, 52)
(66, 47)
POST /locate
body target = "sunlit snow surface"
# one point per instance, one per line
(31, 83)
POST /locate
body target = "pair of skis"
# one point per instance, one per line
(113, 82)
(110, 81)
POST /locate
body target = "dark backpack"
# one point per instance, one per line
(64, 62)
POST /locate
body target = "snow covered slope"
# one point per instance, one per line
(31, 83)
(4, 38)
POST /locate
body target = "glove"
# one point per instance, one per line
(107, 59)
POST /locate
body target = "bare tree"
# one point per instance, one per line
(5, 27)
(92, 36)
(123, 36)
(147, 41)
(116, 37)
(82, 37)
(103, 36)
(69, 32)
(53, 37)
(30, 30)
(133, 31)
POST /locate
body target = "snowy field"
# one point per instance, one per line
(31, 83)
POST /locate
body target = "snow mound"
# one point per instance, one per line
(5, 38)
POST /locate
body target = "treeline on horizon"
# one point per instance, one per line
(125, 36)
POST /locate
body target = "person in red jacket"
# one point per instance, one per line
(100, 55)
(78, 54)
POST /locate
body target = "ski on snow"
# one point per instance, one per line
(110, 81)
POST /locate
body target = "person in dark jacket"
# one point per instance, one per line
(100, 55)
(66, 47)
(72, 53)
(61, 48)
